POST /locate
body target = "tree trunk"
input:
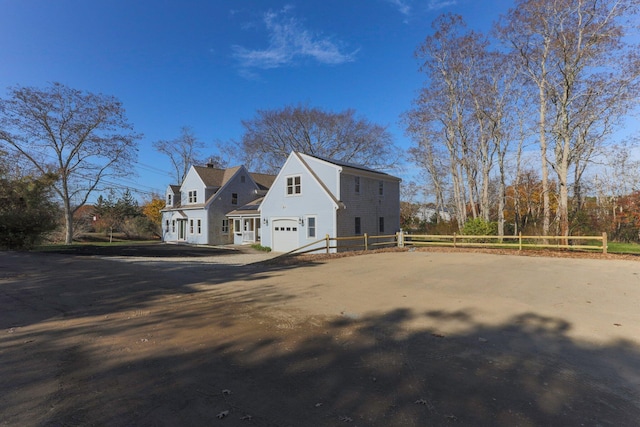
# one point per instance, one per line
(546, 207)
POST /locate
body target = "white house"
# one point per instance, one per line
(312, 197)
(195, 211)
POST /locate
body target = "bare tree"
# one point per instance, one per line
(183, 151)
(269, 137)
(564, 46)
(81, 137)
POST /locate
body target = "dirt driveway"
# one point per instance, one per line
(389, 339)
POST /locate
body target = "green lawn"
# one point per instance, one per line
(623, 248)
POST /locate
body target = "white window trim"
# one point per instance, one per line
(293, 185)
(225, 226)
(190, 226)
(199, 226)
(315, 226)
(192, 196)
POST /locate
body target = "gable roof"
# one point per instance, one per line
(214, 177)
(175, 189)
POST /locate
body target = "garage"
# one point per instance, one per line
(285, 235)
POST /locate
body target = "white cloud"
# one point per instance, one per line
(440, 4)
(288, 42)
(402, 6)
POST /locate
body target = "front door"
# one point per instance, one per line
(182, 229)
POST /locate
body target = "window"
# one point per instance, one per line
(311, 227)
(225, 226)
(173, 226)
(236, 226)
(381, 188)
(166, 226)
(168, 200)
(242, 179)
(358, 229)
(357, 184)
(193, 196)
(381, 224)
(199, 226)
(191, 226)
(234, 198)
(293, 185)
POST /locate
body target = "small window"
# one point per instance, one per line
(234, 198)
(193, 196)
(293, 185)
(173, 226)
(358, 228)
(191, 226)
(166, 227)
(243, 179)
(381, 188)
(199, 226)
(311, 227)
(168, 200)
(225, 226)
(381, 224)
(357, 184)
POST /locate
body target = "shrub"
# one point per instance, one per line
(479, 227)
(259, 247)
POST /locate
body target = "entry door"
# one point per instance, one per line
(182, 229)
(285, 235)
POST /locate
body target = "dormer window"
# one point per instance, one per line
(169, 200)
(193, 196)
(293, 185)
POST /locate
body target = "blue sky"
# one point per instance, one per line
(211, 64)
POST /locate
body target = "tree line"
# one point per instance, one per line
(556, 77)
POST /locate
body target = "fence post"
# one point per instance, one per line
(520, 241)
(327, 239)
(400, 238)
(454, 240)
(366, 241)
(604, 243)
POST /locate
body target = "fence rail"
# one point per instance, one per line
(367, 242)
(455, 240)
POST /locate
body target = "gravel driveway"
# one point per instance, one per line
(172, 336)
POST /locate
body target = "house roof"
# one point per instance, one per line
(214, 177)
(250, 208)
(351, 165)
(264, 181)
(175, 189)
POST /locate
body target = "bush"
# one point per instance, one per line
(259, 247)
(26, 211)
(479, 227)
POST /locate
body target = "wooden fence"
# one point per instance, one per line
(367, 242)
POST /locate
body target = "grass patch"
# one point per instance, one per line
(623, 248)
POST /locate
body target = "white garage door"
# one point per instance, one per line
(285, 235)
